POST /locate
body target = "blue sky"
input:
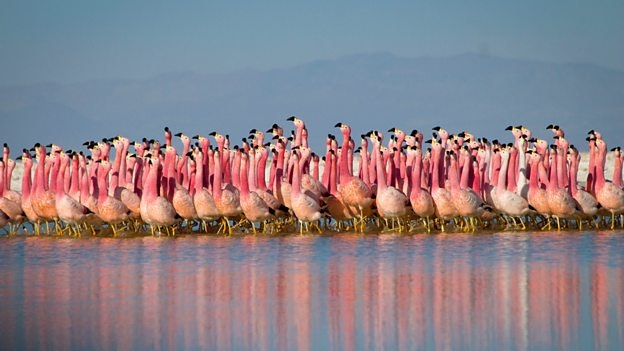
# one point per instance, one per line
(69, 41)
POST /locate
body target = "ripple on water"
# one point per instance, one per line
(469, 291)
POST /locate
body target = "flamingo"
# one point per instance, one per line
(421, 200)
(42, 199)
(155, 209)
(305, 207)
(608, 194)
(391, 203)
(466, 201)
(226, 199)
(509, 202)
(444, 207)
(561, 203)
(9, 207)
(587, 203)
(536, 196)
(202, 199)
(353, 191)
(69, 210)
(254, 208)
(26, 191)
(110, 210)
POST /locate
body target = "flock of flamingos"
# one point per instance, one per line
(451, 182)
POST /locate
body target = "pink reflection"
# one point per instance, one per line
(149, 293)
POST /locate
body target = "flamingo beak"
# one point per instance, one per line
(509, 128)
(178, 134)
(338, 125)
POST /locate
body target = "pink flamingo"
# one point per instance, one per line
(336, 208)
(536, 196)
(155, 209)
(608, 194)
(227, 200)
(354, 192)
(178, 195)
(509, 203)
(391, 203)
(445, 209)
(202, 199)
(561, 203)
(305, 207)
(70, 211)
(466, 202)
(254, 208)
(42, 199)
(109, 209)
(26, 190)
(10, 208)
(421, 200)
(587, 203)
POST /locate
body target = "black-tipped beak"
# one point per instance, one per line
(213, 134)
(550, 126)
(195, 137)
(338, 125)
(428, 141)
(461, 135)
(532, 140)
(291, 118)
(253, 131)
(591, 132)
(392, 130)
(270, 130)
(49, 145)
(178, 134)
(436, 128)
(509, 128)
(275, 137)
(18, 158)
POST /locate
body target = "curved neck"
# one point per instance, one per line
(553, 180)
(344, 155)
(381, 174)
(101, 180)
(502, 176)
(260, 171)
(26, 180)
(244, 180)
(617, 172)
(416, 175)
(217, 182)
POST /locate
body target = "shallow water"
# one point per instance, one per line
(340, 292)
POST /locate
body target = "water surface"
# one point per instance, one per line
(340, 292)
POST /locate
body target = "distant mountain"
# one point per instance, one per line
(481, 94)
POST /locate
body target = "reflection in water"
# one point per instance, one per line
(343, 292)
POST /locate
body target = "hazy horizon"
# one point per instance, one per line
(73, 41)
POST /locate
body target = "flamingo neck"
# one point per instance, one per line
(617, 172)
(217, 182)
(501, 186)
(453, 175)
(26, 180)
(260, 172)
(199, 173)
(296, 180)
(465, 174)
(416, 175)
(381, 174)
(332, 168)
(553, 183)
(244, 180)
(102, 173)
(344, 157)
